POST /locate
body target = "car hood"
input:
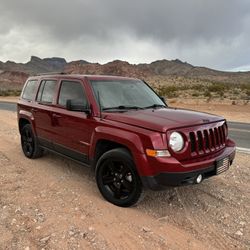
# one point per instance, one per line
(162, 119)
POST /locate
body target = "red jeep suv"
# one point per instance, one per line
(123, 130)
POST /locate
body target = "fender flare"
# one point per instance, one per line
(126, 138)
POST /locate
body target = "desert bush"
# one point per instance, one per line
(169, 91)
(195, 94)
(10, 92)
(205, 88)
(217, 87)
(244, 86)
(207, 93)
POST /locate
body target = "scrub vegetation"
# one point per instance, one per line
(207, 90)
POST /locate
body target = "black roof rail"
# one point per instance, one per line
(50, 73)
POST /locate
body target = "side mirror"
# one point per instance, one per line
(77, 105)
(163, 99)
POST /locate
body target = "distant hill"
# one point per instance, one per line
(160, 72)
(35, 65)
(160, 68)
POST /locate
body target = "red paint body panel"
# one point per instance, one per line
(137, 130)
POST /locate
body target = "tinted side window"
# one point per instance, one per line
(46, 91)
(29, 90)
(71, 91)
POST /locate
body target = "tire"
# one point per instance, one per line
(117, 178)
(29, 143)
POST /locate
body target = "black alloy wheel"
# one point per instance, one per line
(117, 178)
(29, 143)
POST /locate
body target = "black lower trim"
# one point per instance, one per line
(163, 180)
(65, 152)
(45, 143)
(70, 153)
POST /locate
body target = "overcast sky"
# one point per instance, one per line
(212, 33)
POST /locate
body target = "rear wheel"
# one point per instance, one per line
(29, 143)
(117, 178)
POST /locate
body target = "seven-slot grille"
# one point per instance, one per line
(207, 140)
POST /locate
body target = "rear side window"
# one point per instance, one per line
(46, 91)
(29, 90)
(71, 91)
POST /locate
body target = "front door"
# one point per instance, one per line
(72, 129)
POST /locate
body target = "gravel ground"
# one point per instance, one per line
(53, 203)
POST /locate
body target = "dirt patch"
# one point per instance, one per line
(53, 203)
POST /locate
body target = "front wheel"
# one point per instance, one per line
(117, 178)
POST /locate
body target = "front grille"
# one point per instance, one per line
(207, 140)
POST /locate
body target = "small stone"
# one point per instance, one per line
(27, 248)
(91, 229)
(242, 223)
(239, 233)
(71, 233)
(38, 228)
(45, 239)
(17, 210)
(13, 221)
(146, 229)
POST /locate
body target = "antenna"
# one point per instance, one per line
(99, 102)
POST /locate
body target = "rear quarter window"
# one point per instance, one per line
(29, 90)
(46, 91)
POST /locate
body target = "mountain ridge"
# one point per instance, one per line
(163, 71)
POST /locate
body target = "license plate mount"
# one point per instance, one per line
(222, 165)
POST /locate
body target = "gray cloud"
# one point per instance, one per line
(212, 33)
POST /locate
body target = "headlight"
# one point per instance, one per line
(176, 141)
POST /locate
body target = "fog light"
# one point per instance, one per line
(198, 179)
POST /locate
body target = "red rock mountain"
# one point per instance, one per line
(13, 75)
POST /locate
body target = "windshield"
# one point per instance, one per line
(125, 94)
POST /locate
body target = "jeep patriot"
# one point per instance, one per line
(124, 131)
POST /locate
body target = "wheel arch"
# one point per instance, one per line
(104, 145)
(105, 139)
(22, 122)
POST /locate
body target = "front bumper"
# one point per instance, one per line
(165, 179)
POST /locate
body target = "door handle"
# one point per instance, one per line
(56, 116)
(34, 110)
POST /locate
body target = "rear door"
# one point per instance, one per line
(72, 129)
(42, 111)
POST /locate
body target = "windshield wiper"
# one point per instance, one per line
(155, 106)
(122, 107)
